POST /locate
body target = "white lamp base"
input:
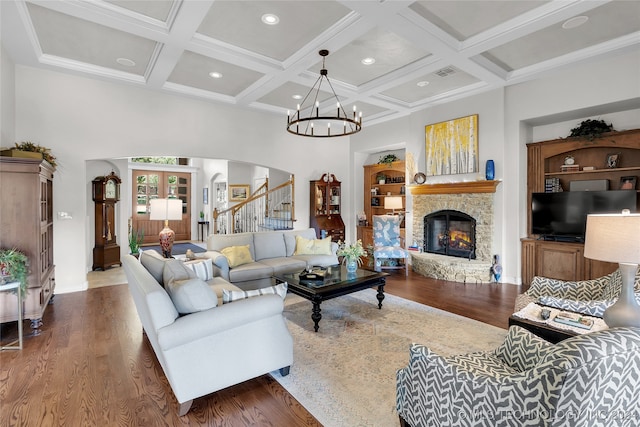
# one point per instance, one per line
(625, 311)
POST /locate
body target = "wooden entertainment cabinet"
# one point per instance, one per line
(565, 260)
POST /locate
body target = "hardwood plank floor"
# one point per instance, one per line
(92, 366)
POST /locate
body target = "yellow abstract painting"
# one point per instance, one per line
(452, 146)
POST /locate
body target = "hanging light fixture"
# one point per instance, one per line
(317, 126)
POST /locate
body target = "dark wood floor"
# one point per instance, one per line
(91, 365)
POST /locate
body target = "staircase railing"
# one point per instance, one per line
(265, 209)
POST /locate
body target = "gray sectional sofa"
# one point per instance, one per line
(215, 346)
(271, 251)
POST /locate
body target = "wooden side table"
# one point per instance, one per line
(11, 286)
(201, 225)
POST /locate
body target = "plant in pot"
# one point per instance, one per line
(381, 178)
(35, 148)
(135, 240)
(14, 265)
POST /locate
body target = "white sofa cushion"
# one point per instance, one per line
(230, 296)
(191, 295)
(153, 264)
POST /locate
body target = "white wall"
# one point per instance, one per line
(7, 99)
(82, 119)
(508, 119)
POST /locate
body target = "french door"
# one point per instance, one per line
(148, 185)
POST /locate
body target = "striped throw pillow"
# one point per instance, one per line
(230, 296)
(202, 267)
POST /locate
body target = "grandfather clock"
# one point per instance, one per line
(106, 193)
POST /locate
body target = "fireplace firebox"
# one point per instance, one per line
(451, 233)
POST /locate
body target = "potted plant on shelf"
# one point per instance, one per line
(591, 129)
(30, 147)
(14, 265)
(351, 254)
(381, 178)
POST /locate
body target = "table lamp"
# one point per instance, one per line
(393, 203)
(616, 238)
(166, 209)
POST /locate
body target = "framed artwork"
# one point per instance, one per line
(238, 193)
(628, 182)
(613, 160)
(205, 196)
(452, 146)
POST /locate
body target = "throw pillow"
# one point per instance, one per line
(203, 268)
(175, 270)
(521, 349)
(191, 295)
(230, 296)
(313, 246)
(153, 264)
(237, 255)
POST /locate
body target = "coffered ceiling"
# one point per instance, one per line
(424, 52)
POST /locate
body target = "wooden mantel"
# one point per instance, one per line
(483, 186)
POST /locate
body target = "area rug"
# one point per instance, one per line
(344, 374)
(178, 248)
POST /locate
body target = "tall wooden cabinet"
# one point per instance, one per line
(563, 260)
(26, 224)
(380, 181)
(324, 207)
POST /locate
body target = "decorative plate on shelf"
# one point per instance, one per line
(420, 178)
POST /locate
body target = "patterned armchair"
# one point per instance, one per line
(588, 380)
(386, 242)
(590, 297)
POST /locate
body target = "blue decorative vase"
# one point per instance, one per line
(490, 171)
(352, 266)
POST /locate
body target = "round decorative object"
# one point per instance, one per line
(569, 160)
(420, 178)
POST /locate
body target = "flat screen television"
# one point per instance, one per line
(563, 216)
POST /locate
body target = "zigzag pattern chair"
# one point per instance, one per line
(387, 242)
(590, 297)
(587, 380)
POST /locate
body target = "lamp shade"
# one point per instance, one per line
(613, 238)
(393, 202)
(165, 209)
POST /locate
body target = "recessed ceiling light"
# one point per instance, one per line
(126, 62)
(422, 83)
(574, 22)
(215, 75)
(368, 61)
(270, 19)
(296, 96)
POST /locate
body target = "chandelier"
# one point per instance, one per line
(315, 125)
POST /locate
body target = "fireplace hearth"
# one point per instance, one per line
(450, 232)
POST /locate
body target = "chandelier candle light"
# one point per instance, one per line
(166, 210)
(616, 238)
(314, 123)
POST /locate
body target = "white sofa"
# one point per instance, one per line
(209, 350)
(272, 252)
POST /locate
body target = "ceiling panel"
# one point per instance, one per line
(84, 41)
(239, 23)
(158, 9)
(193, 71)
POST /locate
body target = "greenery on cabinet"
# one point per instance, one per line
(388, 159)
(15, 265)
(35, 148)
(591, 129)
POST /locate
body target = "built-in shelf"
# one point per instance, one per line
(463, 187)
(593, 171)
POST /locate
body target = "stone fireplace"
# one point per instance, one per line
(467, 256)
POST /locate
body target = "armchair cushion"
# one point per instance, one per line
(522, 350)
(595, 308)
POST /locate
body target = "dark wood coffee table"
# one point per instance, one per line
(336, 283)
